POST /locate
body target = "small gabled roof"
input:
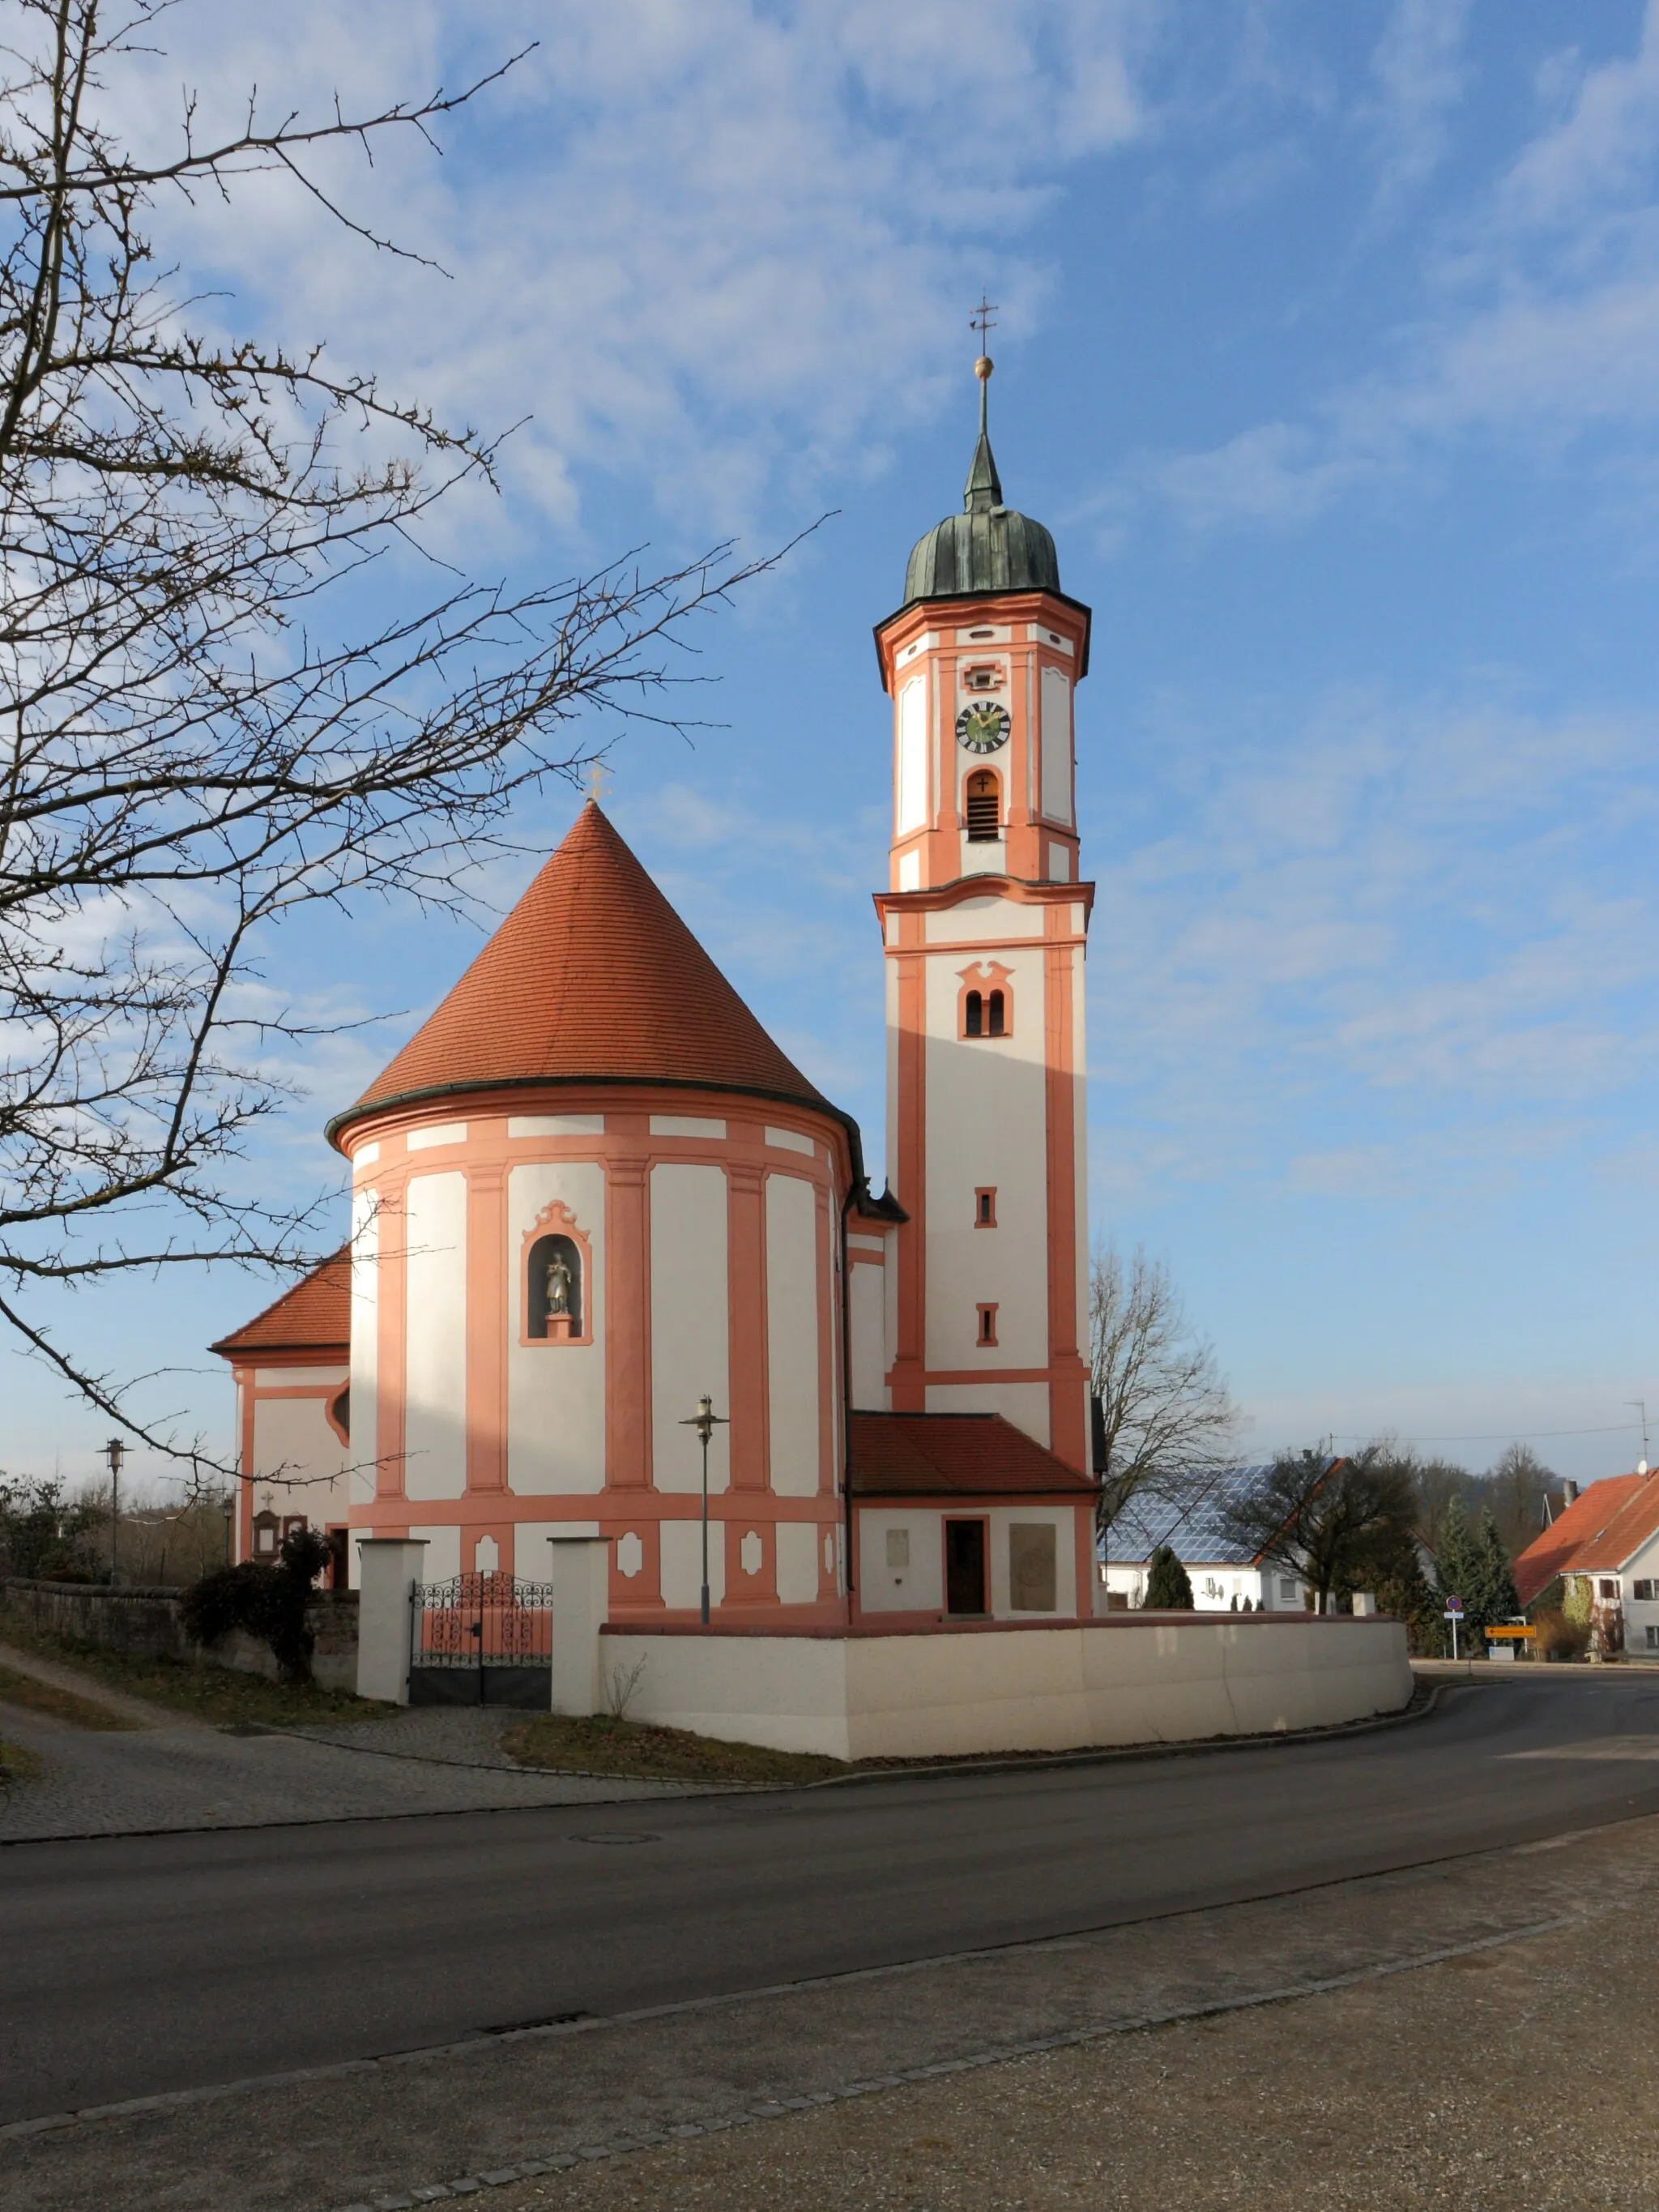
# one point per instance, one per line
(315, 1315)
(592, 978)
(1605, 1525)
(954, 1456)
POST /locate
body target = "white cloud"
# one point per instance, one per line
(1420, 72)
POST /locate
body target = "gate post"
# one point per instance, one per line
(391, 1569)
(582, 1605)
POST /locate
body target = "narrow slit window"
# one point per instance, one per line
(973, 1014)
(984, 808)
(985, 1208)
(988, 1325)
(994, 1024)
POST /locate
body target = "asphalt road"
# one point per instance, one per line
(129, 1966)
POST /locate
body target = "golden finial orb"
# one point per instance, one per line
(983, 367)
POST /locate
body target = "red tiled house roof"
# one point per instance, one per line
(315, 1315)
(592, 978)
(954, 1456)
(1598, 1532)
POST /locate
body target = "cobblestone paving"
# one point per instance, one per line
(186, 1775)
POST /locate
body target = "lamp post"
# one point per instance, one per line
(228, 1507)
(705, 1421)
(116, 1452)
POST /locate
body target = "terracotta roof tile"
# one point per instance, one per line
(953, 1454)
(593, 977)
(315, 1315)
(1596, 1531)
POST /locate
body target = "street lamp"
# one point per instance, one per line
(115, 1451)
(705, 1421)
(228, 1507)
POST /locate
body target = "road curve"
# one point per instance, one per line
(133, 1966)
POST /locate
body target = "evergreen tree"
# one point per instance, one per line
(1457, 1568)
(1494, 1596)
(1168, 1588)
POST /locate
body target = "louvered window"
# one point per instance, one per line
(984, 808)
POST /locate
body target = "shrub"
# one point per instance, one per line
(1557, 1637)
(267, 1601)
(1168, 1588)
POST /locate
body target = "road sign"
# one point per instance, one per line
(1454, 1608)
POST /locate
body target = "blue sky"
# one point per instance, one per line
(1328, 348)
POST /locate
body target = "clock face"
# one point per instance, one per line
(984, 728)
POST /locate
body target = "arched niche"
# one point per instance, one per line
(555, 1280)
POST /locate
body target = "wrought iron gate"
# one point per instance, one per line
(480, 1639)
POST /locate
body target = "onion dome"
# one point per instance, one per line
(594, 979)
(988, 547)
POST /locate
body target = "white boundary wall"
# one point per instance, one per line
(924, 1694)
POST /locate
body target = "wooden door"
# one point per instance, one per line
(964, 1566)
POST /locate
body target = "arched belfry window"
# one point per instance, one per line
(985, 1005)
(555, 1279)
(984, 804)
(555, 1287)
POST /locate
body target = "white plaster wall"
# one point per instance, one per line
(441, 1560)
(690, 1314)
(1019, 1689)
(988, 920)
(294, 1443)
(918, 1587)
(866, 1313)
(986, 1125)
(1024, 1404)
(1057, 746)
(556, 1392)
(365, 1345)
(682, 1562)
(798, 1561)
(793, 1309)
(435, 1382)
(910, 776)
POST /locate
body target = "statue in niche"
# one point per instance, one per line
(559, 1285)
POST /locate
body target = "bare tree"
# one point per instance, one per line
(1329, 1521)
(202, 731)
(1164, 1418)
(1517, 1484)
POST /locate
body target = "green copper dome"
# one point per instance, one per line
(988, 547)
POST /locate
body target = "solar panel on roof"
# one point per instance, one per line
(1195, 1527)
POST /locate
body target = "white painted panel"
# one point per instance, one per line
(858, 1243)
(909, 880)
(365, 1342)
(365, 1157)
(915, 1581)
(977, 920)
(298, 1461)
(555, 1125)
(797, 1562)
(556, 1392)
(791, 1335)
(790, 1141)
(1057, 746)
(531, 1556)
(440, 1132)
(866, 1303)
(297, 1378)
(441, 1560)
(690, 1309)
(986, 634)
(681, 1563)
(1040, 634)
(912, 813)
(1060, 865)
(987, 1125)
(684, 1125)
(435, 1334)
(1024, 1404)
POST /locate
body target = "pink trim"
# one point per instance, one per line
(984, 977)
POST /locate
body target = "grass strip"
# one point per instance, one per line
(641, 1753)
(209, 1693)
(39, 1696)
(16, 1765)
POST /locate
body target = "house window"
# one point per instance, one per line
(1652, 1635)
(973, 1014)
(995, 1011)
(985, 1008)
(1290, 1593)
(988, 1325)
(984, 676)
(1642, 1591)
(984, 807)
(294, 1524)
(985, 1207)
(1607, 1587)
(338, 1410)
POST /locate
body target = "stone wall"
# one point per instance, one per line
(148, 1624)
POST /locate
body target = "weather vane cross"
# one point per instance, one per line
(983, 318)
(599, 781)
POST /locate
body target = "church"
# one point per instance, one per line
(592, 1199)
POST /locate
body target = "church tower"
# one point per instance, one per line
(984, 925)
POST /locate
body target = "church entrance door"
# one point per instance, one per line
(964, 1566)
(480, 1639)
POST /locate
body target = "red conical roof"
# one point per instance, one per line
(592, 978)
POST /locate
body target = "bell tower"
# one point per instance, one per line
(984, 925)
